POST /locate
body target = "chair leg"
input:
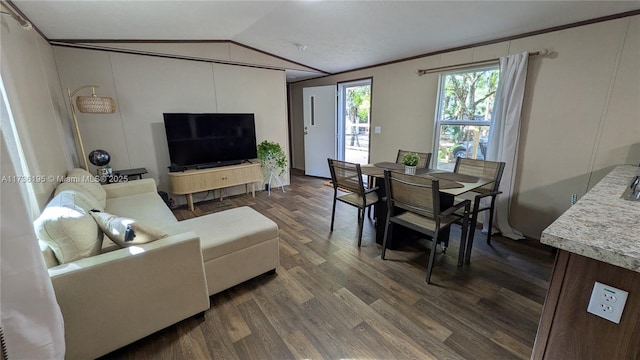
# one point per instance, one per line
(493, 201)
(360, 224)
(467, 256)
(465, 238)
(384, 239)
(371, 183)
(333, 212)
(474, 221)
(432, 257)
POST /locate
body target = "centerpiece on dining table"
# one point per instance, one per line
(410, 160)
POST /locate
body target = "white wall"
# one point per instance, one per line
(145, 87)
(580, 118)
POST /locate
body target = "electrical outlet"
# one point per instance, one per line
(607, 302)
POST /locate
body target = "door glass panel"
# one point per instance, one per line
(355, 120)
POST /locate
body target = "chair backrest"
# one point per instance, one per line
(481, 168)
(425, 158)
(418, 194)
(346, 175)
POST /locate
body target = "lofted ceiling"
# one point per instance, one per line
(338, 35)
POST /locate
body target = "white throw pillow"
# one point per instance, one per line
(126, 231)
(66, 226)
(89, 183)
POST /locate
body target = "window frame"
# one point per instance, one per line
(438, 122)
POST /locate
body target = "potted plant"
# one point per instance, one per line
(273, 158)
(410, 160)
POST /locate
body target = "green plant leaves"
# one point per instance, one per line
(272, 156)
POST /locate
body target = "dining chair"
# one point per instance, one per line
(423, 162)
(347, 176)
(414, 202)
(484, 169)
(425, 158)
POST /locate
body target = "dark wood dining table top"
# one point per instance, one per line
(450, 183)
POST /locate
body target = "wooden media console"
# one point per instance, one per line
(193, 181)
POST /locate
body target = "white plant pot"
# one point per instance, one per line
(410, 170)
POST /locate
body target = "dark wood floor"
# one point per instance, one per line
(331, 300)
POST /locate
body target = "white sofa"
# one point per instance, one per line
(120, 295)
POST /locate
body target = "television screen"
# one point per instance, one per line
(209, 139)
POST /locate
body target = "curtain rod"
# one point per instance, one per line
(542, 52)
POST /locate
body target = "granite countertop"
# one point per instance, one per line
(602, 225)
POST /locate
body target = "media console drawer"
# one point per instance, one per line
(193, 181)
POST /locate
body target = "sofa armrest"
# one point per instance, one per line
(113, 299)
(130, 188)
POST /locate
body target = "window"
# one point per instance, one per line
(463, 118)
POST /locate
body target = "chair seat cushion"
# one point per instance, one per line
(356, 200)
(410, 218)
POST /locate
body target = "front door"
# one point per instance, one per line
(319, 129)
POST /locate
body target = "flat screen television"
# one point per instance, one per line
(208, 140)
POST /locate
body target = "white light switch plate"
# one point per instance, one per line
(607, 302)
(377, 129)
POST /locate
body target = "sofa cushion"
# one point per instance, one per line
(146, 207)
(89, 183)
(126, 231)
(228, 231)
(83, 198)
(90, 199)
(66, 226)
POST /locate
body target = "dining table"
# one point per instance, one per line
(450, 184)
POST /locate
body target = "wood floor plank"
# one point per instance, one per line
(405, 346)
(192, 342)
(234, 324)
(378, 346)
(218, 341)
(277, 308)
(343, 313)
(331, 299)
(416, 332)
(301, 347)
(514, 346)
(399, 313)
(299, 293)
(285, 248)
(263, 339)
(305, 251)
(373, 274)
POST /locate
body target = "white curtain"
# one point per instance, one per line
(505, 133)
(31, 320)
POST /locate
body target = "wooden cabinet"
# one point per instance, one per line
(568, 331)
(193, 181)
